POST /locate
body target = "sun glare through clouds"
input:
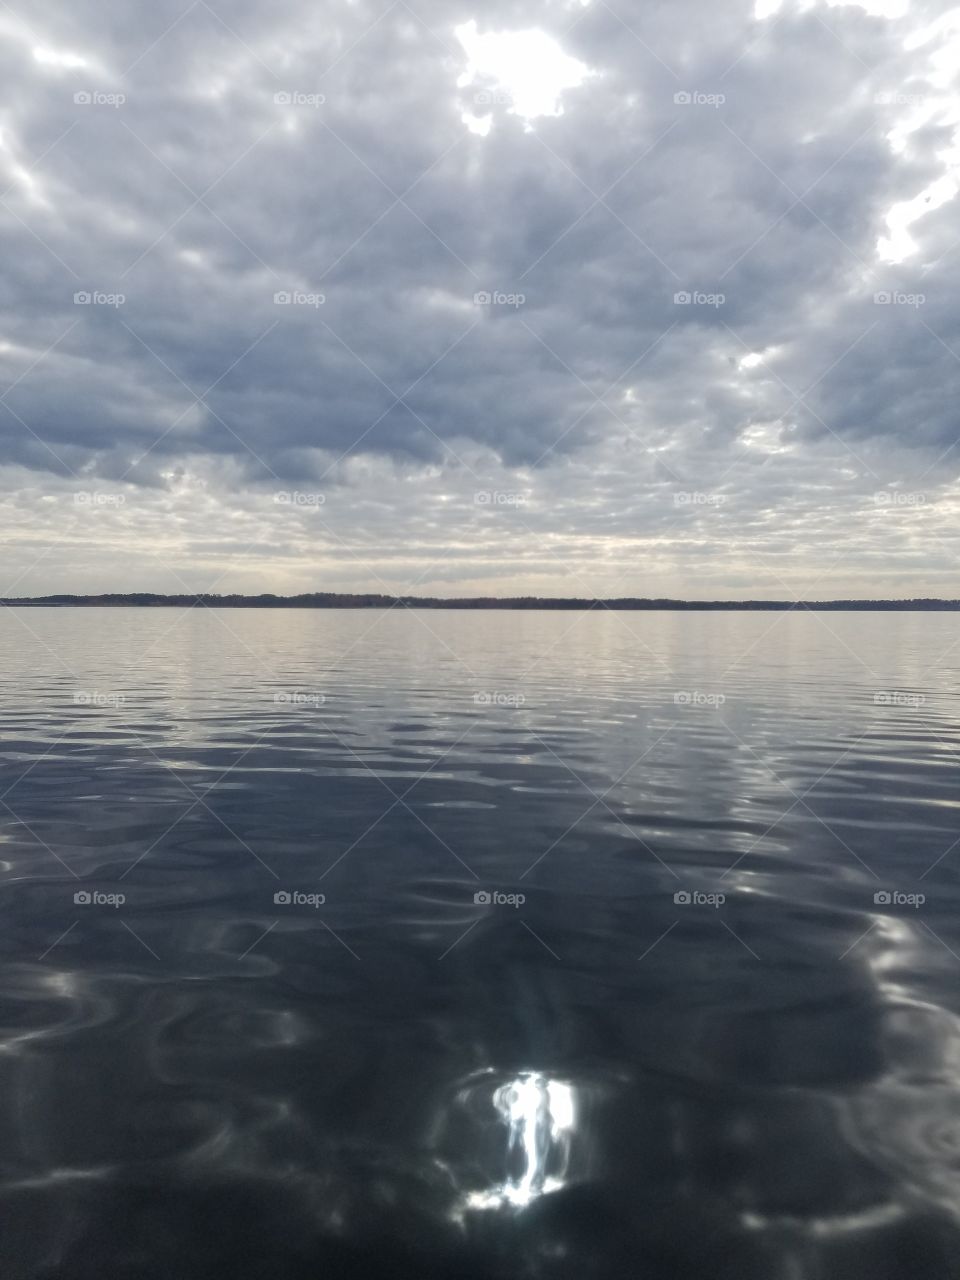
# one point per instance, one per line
(526, 72)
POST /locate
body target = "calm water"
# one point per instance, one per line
(206, 1071)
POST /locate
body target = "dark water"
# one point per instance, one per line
(596, 1080)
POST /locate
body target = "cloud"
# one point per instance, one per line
(572, 304)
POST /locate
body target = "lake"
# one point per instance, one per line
(377, 943)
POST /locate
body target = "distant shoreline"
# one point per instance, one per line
(330, 600)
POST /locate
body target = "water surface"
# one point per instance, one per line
(386, 944)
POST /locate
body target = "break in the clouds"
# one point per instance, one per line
(565, 298)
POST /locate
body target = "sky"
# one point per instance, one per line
(557, 298)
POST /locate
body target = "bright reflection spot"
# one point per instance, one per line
(54, 58)
(524, 71)
(540, 1116)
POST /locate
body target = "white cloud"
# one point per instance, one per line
(57, 58)
(876, 8)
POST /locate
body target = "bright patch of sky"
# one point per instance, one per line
(57, 58)
(940, 107)
(526, 72)
(915, 110)
(877, 8)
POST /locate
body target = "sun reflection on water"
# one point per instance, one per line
(540, 1116)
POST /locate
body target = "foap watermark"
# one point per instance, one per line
(94, 698)
(494, 898)
(697, 698)
(498, 298)
(95, 498)
(896, 98)
(299, 698)
(499, 498)
(895, 498)
(493, 98)
(898, 698)
(94, 898)
(894, 898)
(696, 98)
(298, 298)
(294, 498)
(497, 699)
(97, 98)
(897, 298)
(696, 898)
(698, 298)
(297, 898)
(96, 298)
(696, 499)
(297, 98)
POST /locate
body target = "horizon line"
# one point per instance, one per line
(377, 600)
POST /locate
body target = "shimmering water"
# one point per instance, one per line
(705, 1025)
